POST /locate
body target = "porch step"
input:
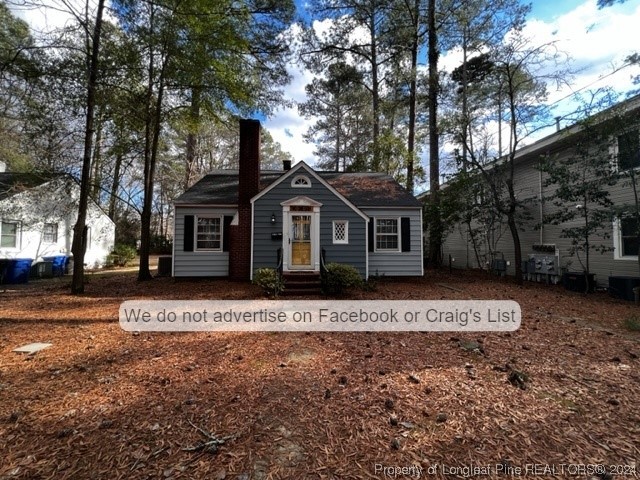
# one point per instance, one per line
(301, 284)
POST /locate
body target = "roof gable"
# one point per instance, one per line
(312, 173)
(12, 183)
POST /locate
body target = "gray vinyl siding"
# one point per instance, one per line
(528, 185)
(198, 264)
(398, 263)
(333, 208)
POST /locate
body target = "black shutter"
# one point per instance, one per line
(188, 233)
(225, 232)
(371, 236)
(405, 233)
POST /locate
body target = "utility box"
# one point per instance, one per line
(543, 267)
(622, 287)
(579, 282)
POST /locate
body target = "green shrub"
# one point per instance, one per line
(340, 277)
(123, 254)
(632, 323)
(270, 280)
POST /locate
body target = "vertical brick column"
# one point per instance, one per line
(248, 187)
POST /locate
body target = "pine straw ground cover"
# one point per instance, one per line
(103, 403)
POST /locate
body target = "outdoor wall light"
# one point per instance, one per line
(273, 219)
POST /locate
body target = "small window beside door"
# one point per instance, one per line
(340, 231)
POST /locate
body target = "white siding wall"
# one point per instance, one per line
(55, 202)
(528, 186)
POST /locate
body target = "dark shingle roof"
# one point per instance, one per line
(220, 188)
(361, 189)
(370, 189)
(12, 183)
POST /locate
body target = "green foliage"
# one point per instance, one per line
(339, 278)
(632, 323)
(270, 280)
(342, 105)
(122, 254)
(582, 184)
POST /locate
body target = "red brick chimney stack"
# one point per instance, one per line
(248, 187)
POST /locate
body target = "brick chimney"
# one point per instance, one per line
(248, 187)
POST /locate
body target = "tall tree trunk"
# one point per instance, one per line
(152, 124)
(435, 222)
(338, 137)
(375, 91)
(144, 272)
(80, 229)
(513, 228)
(115, 185)
(513, 201)
(412, 96)
(192, 136)
(97, 159)
(465, 106)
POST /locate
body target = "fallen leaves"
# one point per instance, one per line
(103, 403)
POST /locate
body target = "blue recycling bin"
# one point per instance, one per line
(59, 264)
(17, 270)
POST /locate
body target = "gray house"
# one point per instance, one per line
(232, 223)
(546, 252)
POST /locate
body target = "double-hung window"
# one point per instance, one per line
(628, 237)
(50, 233)
(387, 234)
(629, 150)
(209, 233)
(8, 234)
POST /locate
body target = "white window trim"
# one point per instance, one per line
(195, 233)
(617, 243)
(375, 235)
(55, 233)
(344, 241)
(18, 225)
(303, 178)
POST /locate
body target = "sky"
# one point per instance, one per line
(597, 41)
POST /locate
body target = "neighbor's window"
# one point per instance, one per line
(50, 233)
(8, 234)
(387, 234)
(629, 150)
(209, 233)
(628, 237)
(340, 231)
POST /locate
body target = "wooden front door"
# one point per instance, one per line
(301, 240)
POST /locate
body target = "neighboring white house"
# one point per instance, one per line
(37, 215)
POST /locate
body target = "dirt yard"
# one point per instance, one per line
(559, 398)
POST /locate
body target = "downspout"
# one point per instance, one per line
(541, 209)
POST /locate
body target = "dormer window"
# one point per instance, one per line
(301, 181)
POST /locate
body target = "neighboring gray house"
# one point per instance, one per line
(231, 223)
(37, 215)
(542, 241)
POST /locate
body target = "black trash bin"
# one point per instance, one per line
(164, 266)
